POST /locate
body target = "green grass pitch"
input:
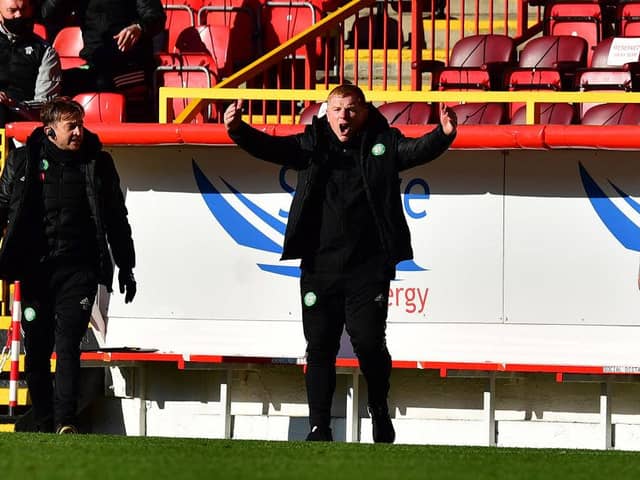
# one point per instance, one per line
(96, 457)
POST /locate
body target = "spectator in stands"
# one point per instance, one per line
(29, 67)
(346, 224)
(118, 47)
(60, 202)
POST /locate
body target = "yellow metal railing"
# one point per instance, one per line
(532, 99)
(4, 147)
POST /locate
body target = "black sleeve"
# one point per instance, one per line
(6, 189)
(115, 213)
(152, 16)
(417, 151)
(55, 9)
(281, 150)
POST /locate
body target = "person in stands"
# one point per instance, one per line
(29, 68)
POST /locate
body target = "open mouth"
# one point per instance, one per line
(344, 129)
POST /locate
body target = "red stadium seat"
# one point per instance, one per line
(407, 113)
(40, 30)
(575, 18)
(281, 21)
(612, 114)
(178, 18)
(212, 40)
(548, 63)
(102, 107)
(628, 19)
(607, 72)
(243, 20)
(188, 70)
(374, 31)
(477, 62)
(68, 43)
(307, 114)
(479, 113)
(550, 114)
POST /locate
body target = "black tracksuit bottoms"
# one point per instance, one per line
(61, 296)
(330, 303)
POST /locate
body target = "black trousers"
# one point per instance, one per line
(331, 302)
(61, 297)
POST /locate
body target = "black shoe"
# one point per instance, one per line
(320, 434)
(383, 431)
(66, 430)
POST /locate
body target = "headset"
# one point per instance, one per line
(51, 134)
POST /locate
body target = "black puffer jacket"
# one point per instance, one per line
(20, 209)
(384, 152)
(100, 20)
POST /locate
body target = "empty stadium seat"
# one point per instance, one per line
(612, 114)
(187, 70)
(307, 113)
(377, 31)
(281, 21)
(477, 62)
(550, 114)
(407, 113)
(479, 113)
(243, 19)
(628, 19)
(68, 43)
(178, 18)
(102, 106)
(575, 18)
(548, 63)
(611, 72)
(212, 40)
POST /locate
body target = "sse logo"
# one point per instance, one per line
(620, 226)
(249, 235)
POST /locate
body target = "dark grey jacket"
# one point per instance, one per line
(20, 209)
(384, 152)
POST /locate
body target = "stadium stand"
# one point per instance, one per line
(628, 19)
(40, 30)
(188, 70)
(307, 113)
(548, 62)
(407, 113)
(68, 43)
(612, 114)
(212, 40)
(102, 106)
(242, 17)
(550, 114)
(479, 113)
(575, 18)
(179, 17)
(477, 62)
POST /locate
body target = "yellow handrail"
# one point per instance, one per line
(532, 99)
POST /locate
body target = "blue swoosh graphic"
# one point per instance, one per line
(410, 266)
(259, 212)
(630, 201)
(285, 270)
(620, 226)
(243, 232)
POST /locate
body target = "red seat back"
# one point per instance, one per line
(102, 106)
(479, 113)
(612, 114)
(550, 114)
(68, 43)
(406, 113)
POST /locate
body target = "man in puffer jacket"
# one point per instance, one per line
(61, 207)
(347, 225)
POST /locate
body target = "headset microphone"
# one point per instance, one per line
(51, 134)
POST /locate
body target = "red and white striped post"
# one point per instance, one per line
(15, 348)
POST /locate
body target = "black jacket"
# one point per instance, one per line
(20, 209)
(100, 20)
(384, 152)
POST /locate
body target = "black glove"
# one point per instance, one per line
(127, 282)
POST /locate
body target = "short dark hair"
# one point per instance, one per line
(60, 107)
(348, 90)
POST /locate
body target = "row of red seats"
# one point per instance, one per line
(552, 62)
(416, 113)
